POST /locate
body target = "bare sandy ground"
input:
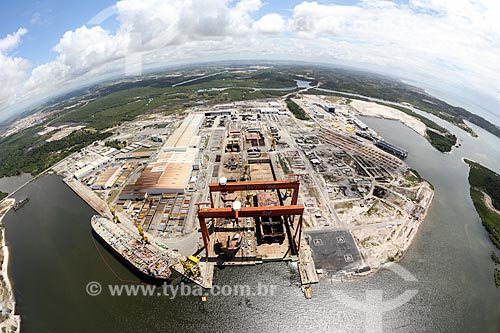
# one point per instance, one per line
(371, 109)
(7, 297)
(487, 200)
(5, 206)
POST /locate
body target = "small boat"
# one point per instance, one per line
(20, 203)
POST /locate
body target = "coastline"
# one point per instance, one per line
(479, 194)
(12, 321)
(406, 245)
(374, 110)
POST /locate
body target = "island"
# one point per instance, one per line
(485, 194)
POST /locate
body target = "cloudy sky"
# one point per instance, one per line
(50, 46)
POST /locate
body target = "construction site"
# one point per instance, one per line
(248, 183)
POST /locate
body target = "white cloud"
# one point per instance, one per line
(11, 41)
(451, 41)
(448, 41)
(249, 6)
(270, 24)
(86, 48)
(12, 69)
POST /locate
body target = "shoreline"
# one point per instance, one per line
(405, 247)
(375, 110)
(392, 119)
(13, 320)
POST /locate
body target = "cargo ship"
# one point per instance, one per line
(143, 258)
(20, 203)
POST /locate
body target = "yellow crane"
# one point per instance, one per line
(273, 143)
(141, 232)
(115, 217)
(191, 266)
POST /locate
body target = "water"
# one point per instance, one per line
(10, 184)
(54, 256)
(303, 84)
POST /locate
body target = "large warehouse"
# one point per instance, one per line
(171, 171)
(186, 135)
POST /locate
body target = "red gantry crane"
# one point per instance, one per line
(237, 211)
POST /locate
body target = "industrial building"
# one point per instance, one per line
(83, 172)
(327, 107)
(274, 104)
(268, 110)
(107, 179)
(185, 136)
(171, 171)
(389, 147)
(133, 155)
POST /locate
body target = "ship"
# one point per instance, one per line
(143, 258)
(20, 203)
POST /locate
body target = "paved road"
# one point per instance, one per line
(312, 173)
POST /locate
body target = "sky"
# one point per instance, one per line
(49, 47)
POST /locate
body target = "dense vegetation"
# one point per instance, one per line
(297, 111)
(485, 180)
(3, 195)
(481, 180)
(117, 144)
(116, 103)
(495, 258)
(443, 143)
(27, 153)
(112, 104)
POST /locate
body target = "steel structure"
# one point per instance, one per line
(265, 211)
(257, 185)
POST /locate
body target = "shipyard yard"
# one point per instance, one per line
(246, 183)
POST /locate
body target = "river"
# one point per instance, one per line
(54, 256)
(10, 184)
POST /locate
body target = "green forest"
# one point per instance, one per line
(481, 180)
(27, 153)
(297, 111)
